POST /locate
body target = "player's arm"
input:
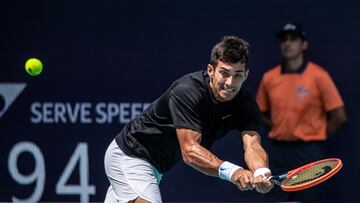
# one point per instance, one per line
(336, 118)
(195, 155)
(257, 160)
(203, 160)
(255, 156)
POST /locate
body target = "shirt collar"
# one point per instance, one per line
(299, 70)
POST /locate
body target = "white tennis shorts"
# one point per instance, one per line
(130, 177)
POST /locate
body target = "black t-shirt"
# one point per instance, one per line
(187, 103)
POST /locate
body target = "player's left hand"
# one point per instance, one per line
(243, 179)
(262, 184)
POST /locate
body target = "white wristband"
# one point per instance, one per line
(227, 169)
(261, 171)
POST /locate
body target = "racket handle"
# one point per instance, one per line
(278, 178)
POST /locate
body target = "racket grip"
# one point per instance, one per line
(277, 179)
(274, 180)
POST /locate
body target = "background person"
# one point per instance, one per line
(302, 108)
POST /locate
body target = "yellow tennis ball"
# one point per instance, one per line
(33, 66)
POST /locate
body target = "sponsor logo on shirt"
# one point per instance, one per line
(302, 90)
(227, 116)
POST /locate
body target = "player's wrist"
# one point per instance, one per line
(227, 169)
(262, 171)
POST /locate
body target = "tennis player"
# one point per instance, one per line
(184, 122)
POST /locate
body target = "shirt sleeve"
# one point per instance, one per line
(329, 93)
(261, 97)
(184, 106)
(250, 115)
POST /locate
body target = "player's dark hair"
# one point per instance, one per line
(230, 50)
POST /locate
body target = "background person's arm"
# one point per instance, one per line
(266, 120)
(336, 118)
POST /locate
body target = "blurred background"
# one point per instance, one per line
(105, 61)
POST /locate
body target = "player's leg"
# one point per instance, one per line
(110, 196)
(139, 200)
(132, 179)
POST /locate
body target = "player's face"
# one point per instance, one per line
(226, 79)
(292, 46)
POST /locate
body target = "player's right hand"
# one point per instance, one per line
(243, 179)
(262, 184)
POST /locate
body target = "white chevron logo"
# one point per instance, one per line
(8, 93)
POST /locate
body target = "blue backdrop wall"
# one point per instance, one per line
(105, 61)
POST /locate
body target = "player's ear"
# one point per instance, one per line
(210, 70)
(246, 74)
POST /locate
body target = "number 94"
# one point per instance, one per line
(38, 175)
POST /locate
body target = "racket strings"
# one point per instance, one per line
(310, 173)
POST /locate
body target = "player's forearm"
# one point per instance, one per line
(201, 159)
(255, 156)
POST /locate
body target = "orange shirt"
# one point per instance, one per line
(298, 102)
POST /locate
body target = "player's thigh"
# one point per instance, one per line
(130, 177)
(112, 198)
(139, 200)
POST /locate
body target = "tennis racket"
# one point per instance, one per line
(308, 175)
